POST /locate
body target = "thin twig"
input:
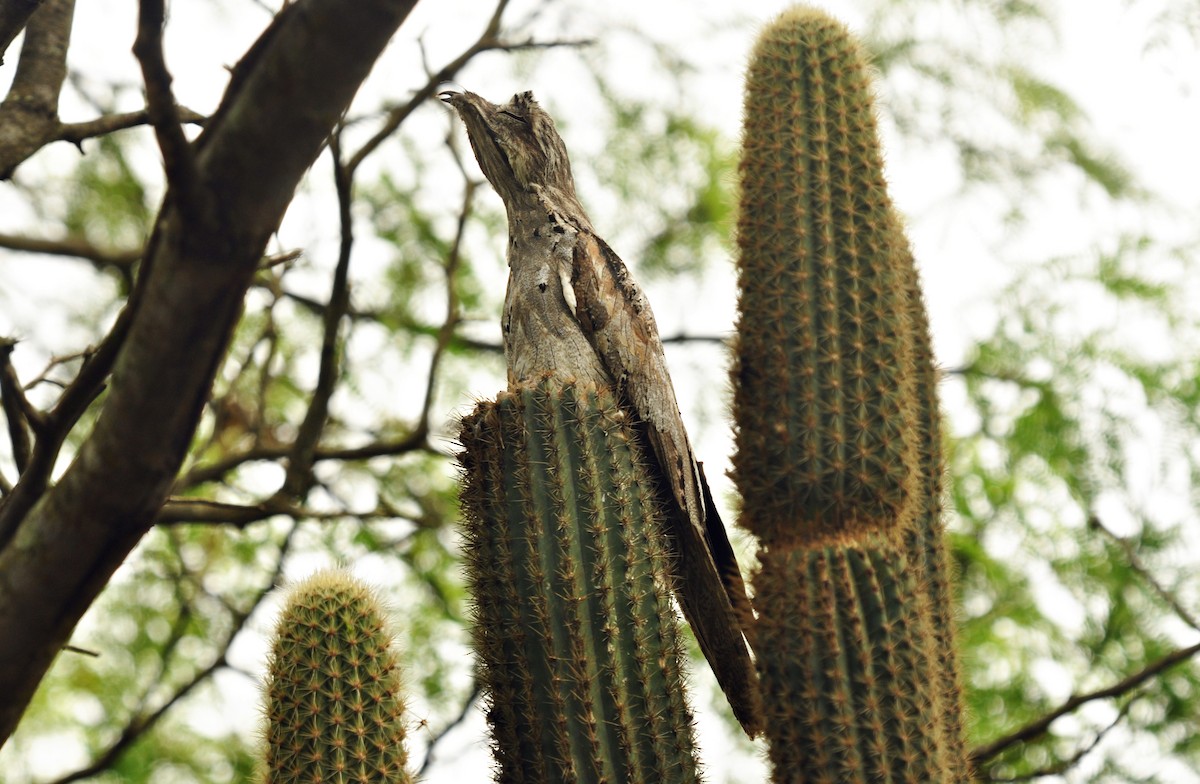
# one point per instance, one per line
(75, 399)
(216, 470)
(77, 132)
(178, 161)
(1062, 766)
(1040, 726)
(1136, 564)
(444, 731)
(450, 324)
(299, 472)
(488, 41)
(142, 723)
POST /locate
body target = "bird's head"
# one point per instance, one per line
(516, 144)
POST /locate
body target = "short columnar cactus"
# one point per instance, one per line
(838, 461)
(578, 645)
(333, 696)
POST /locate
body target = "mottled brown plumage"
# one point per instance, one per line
(573, 311)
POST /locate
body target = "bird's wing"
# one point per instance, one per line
(617, 320)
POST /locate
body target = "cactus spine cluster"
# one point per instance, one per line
(333, 694)
(823, 382)
(578, 646)
(925, 541)
(838, 461)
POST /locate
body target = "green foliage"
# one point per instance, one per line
(333, 697)
(108, 204)
(1059, 482)
(649, 146)
(578, 646)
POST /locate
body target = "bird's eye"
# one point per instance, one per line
(516, 117)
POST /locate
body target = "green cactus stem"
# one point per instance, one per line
(578, 645)
(844, 669)
(839, 454)
(334, 703)
(925, 541)
(822, 382)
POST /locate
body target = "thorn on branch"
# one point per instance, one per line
(76, 133)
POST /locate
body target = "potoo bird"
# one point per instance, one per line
(573, 311)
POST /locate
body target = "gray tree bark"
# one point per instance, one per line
(60, 545)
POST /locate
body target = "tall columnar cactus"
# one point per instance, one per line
(577, 642)
(925, 541)
(333, 696)
(838, 461)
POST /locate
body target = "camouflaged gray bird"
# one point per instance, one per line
(572, 312)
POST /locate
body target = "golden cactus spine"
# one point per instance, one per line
(835, 444)
(577, 641)
(333, 699)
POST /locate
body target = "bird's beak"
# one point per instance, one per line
(478, 114)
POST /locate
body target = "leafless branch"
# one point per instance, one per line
(71, 246)
(446, 331)
(1062, 766)
(216, 470)
(143, 722)
(489, 40)
(71, 405)
(77, 132)
(178, 161)
(17, 411)
(57, 361)
(299, 471)
(1136, 564)
(196, 269)
(195, 510)
(29, 113)
(1038, 727)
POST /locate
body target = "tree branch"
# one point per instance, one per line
(17, 410)
(446, 331)
(298, 480)
(1062, 766)
(300, 76)
(29, 113)
(215, 471)
(142, 723)
(489, 40)
(1041, 726)
(178, 511)
(109, 123)
(14, 14)
(1136, 564)
(72, 246)
(160, 105)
